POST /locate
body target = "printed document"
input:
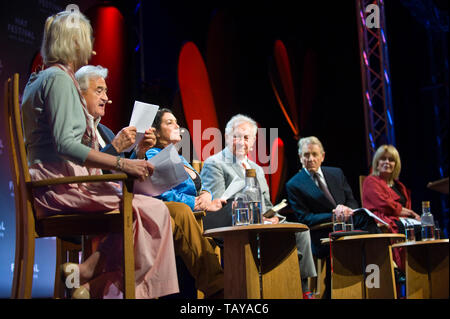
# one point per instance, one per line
(168, 173)
(142, 118)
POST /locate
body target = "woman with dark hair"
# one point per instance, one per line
(190, 191)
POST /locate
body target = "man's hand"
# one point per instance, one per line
(343, 210)
(146, 143)
(124, 139)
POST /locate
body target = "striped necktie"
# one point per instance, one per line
(324, 188)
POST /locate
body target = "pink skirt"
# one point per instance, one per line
(156, 273)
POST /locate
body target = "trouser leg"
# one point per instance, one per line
(195, 250)
(306, 261)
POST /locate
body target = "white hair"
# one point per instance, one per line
(309, 140)
(239, 119)
(88, 72)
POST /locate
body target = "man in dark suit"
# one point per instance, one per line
(317, 191)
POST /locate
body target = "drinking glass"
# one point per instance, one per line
(409, 233)
(338, 222)
(348, 223)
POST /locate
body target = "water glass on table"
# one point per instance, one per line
(409, 233)
(348, 223)
(338, 222)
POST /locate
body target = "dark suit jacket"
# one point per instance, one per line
(310, 205)
(108, 136)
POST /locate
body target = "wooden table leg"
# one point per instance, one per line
(427, 272)
(438, 269)
(240, 261)
(379, 254)
(347, 279)
(280, 271)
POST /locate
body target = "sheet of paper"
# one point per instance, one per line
(409, 221)
(235, 186)
(168, 173)
(142, 118)
(371, 215)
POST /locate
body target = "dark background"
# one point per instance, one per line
(236, 42)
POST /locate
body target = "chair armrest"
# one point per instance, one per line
(79, 179)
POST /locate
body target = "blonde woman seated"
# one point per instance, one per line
(61, 141)
(386, 196)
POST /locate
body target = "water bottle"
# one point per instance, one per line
(427, 222)
(239, 210)
(246, 206)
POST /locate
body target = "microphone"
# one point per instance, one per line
(109, 102)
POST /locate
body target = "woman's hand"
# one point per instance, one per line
(408, 213)
(203, 201)
(137, 168)
(216, 204)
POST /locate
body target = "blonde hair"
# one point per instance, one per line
(67, 39)
(309, 140)
(391, 150)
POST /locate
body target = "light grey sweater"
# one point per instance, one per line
(53, 118)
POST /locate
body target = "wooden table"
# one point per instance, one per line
(426, 269)
(260, 261)
(440, 186)
(362, 267)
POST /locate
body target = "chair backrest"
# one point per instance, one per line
(197, 165)
(18, 158)
(11, 149)
(361, 182)
(25, 222)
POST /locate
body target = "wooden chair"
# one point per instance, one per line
(72, 224)
(361, 182)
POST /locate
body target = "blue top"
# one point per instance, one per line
(184, 192)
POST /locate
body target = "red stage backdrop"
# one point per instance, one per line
(197, 99)
(110, 46)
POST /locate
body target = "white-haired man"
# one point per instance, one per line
(94, 90)
(219, 171)
(194, 249)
